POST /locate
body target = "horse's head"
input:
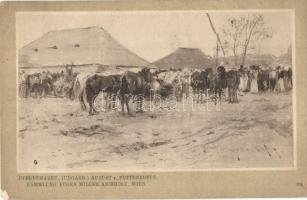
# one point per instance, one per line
(221, 72)
(209, 71)
(221, 69)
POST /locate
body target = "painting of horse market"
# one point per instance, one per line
(155, 90)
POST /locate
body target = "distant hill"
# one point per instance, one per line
(81, 46)
(185, 58)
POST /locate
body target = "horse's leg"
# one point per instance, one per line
(205, 91)
(232, 95)
(91, 111)
(215, 96)
(44, 92)
(107, 103)
(141, 105)
(33, 92)
(138, 105)
(113, 101)
(220, 95)
(39, 91)
(90, 102)
(194, 95)
(36, 90)
(122, 101)
(229, 95)
(81, 100)
(127, 104)
(24, 91)
(21, 92)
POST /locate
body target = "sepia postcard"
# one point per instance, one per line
(153, 99)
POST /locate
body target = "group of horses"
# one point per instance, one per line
(41, 84)
(181, 83)
(145, 82)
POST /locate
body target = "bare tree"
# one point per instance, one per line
(232, 33)
(240, 35)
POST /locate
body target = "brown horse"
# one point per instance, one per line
(96, 84)
(218, 82)
(135, 84)
(200, 84)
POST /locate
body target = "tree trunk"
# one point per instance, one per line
(235, 55)
(217, 35)
(247, 42)
(217, 54)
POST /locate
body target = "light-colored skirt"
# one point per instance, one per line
(254, 86)
(280, 85)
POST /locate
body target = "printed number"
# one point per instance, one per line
(35, 162)
(299, 184)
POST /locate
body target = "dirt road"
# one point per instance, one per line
(57, 136)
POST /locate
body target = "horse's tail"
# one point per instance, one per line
(83, 97)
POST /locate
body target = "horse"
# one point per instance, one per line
(232, 82)
(46, 83)
(135, 84)
(199, 83)
(96, 84)
(34, 84)
(218, 82)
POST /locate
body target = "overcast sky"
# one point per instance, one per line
(154, 34)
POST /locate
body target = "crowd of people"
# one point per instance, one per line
(256, 79)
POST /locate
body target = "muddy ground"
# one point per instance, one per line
(55, 135)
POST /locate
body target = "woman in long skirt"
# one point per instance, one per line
(254, 81)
